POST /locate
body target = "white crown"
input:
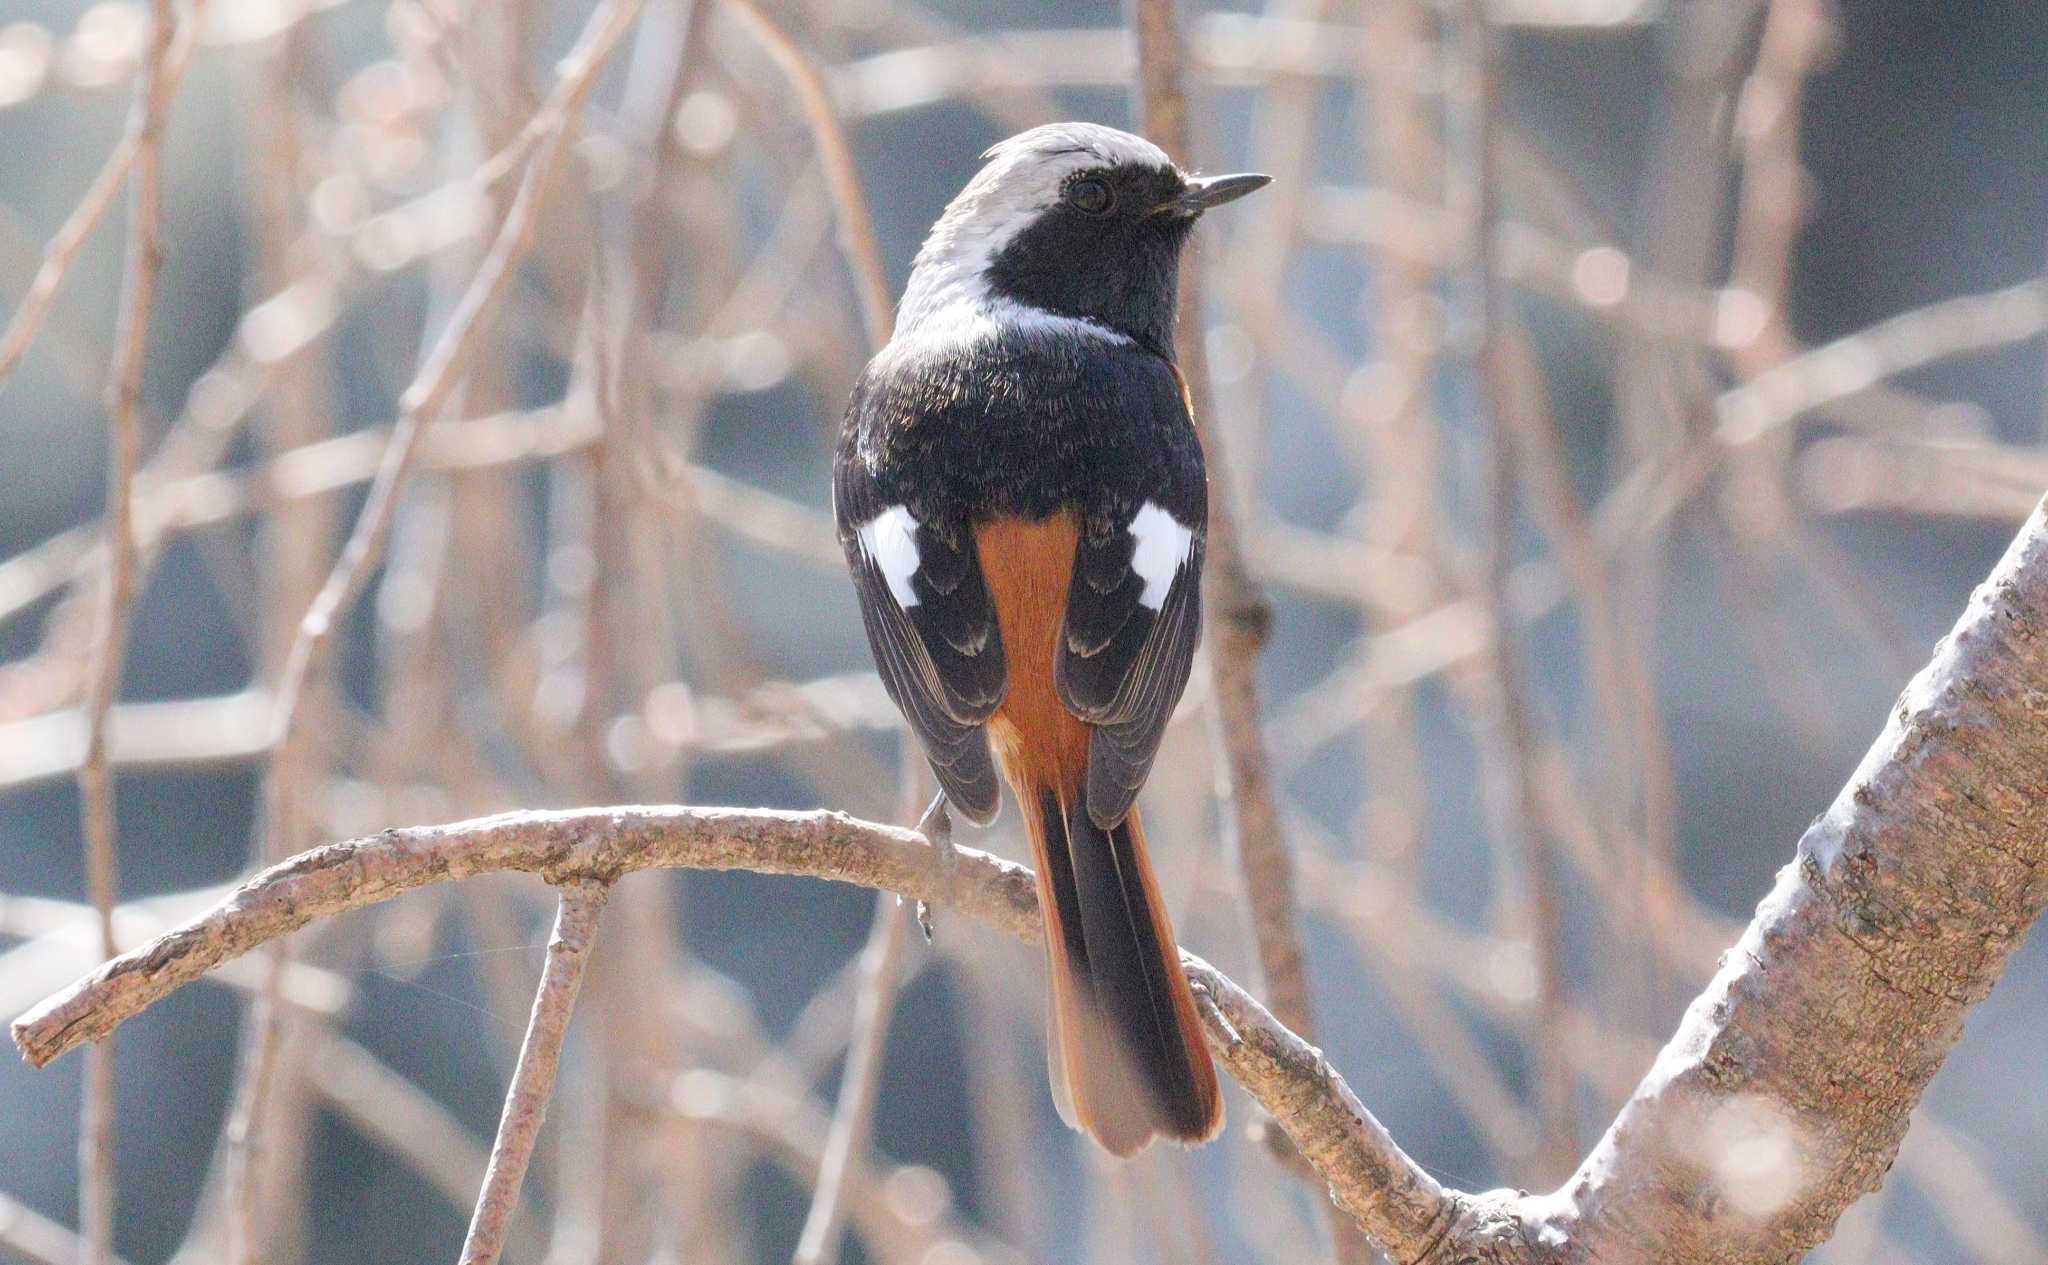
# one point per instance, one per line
(948, 294)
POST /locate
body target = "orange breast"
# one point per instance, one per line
(1027, 566)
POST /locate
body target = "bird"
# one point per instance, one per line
(1021, 496)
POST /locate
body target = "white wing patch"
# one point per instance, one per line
(1163, 545)
(890, 539)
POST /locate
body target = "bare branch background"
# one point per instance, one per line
(1617, 400)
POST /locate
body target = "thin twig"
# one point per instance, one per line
(1859, 361)
(34, 1238)
(439, 376)
(852, 1121)
(794, 1132)
(1243, 618)
(412, 1125)
(95, 769)
(635, 661)
(533, 1081)
(441, 373)
(1521, 808)
(856, 226)
(860, 1084)
(164, 68)
(234, 728)
(1907, 883)
(170, 505)
(874, 1009)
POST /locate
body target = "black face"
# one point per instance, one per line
(1108, 251)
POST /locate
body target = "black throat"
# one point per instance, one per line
(1120, 269)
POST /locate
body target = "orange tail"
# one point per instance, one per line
(1127, 1057)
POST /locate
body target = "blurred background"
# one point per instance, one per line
(1774, 306)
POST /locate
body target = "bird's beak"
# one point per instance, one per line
(1204, 192)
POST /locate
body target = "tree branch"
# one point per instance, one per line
(533, 1081)
(1967, 323)
(857, 241)
(1392, 1197)
(439, 377)
(27, 1235)
(1781, 1099)
(853, 1120)
(162, 71)
(589, 843)
(1243, 616)
(96, 1126)
(1830, 1016)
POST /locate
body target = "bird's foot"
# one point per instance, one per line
(937, 826)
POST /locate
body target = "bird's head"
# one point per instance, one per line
(1066, 222)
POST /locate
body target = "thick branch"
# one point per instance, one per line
(1831, 1015)
(1401, 1207)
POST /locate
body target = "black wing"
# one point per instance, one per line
(1024, 425)
(1134, 607)
(940, 655)
(1123, 664)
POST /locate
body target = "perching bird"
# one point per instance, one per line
(1020, 494)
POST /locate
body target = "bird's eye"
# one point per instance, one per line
(1089, 195)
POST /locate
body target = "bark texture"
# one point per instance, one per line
(1787, 1089)
(597, 844)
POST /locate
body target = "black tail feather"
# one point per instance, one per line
(1137, 1067)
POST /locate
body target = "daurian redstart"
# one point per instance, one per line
(1021, 497)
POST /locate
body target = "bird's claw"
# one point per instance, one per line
(937, 826)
